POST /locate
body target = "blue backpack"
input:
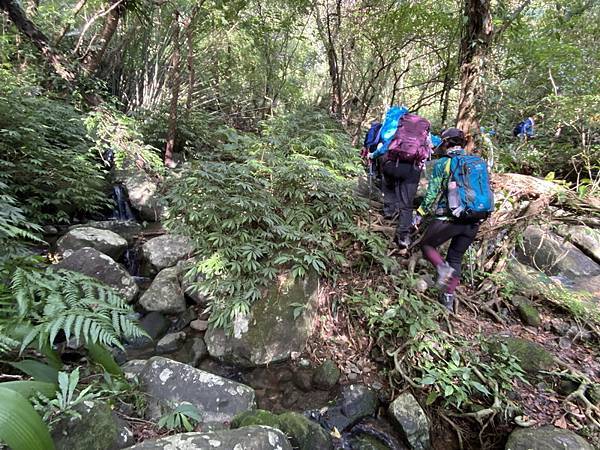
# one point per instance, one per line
(372, 137)
(469, 192)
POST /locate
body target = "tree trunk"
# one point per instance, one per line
(175, 84)
(189, 33)
(475, 43)
(92, 61)
(56, 60)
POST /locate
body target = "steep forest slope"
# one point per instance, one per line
(189, 233)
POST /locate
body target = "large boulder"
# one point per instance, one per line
(127, 229)
(585, 238)
(165, 251)
(277, 325)
(545, 438)
(247, 438)
(143, 193)
(410, 417)
(555, 255)
(105, 241)
(97, 428)
(164, 294)
(93, 263)
(169, 383)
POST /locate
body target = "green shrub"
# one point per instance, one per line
(46, 155)
(282, 201)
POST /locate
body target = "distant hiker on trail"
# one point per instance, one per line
(403, 155)
(525, 129)
(459, 183)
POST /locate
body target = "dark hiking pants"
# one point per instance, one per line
(439, 231)
(400, 182)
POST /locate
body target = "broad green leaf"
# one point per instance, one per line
(29, 388)
(432, 397)
(21, 428)
(37, 370)
(102, 356)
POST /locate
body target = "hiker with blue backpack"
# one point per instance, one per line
(460, 197)
(524, 130)
(404, 146)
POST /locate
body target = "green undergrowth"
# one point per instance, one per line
(456, 372)
(257, 205)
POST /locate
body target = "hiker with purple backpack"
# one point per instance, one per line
(403, 157)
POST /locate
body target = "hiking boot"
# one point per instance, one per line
(445, 273)
(402, 242)
(447, 300)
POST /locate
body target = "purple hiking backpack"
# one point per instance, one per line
(410, 144)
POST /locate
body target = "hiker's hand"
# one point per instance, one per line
(416, 222)
(370, 155)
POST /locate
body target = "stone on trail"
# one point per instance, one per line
(532, 356)
(414, 424)
(169, 383)
(171, 342)
(303, 434)
(585, 238)
(527, 312)
(96, 264)
(326, 375)
(104, 241)
(98, 428)
(553, 254)
(246, 438)
(546, 438)
(164, 294)
(270, 332)
(165, 251)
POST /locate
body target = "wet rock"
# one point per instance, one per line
(326, 375)
(96, 264)
(164, 294)
(104, 241)
(585, 238)
(354, 403)
(199, 325)
(156, 325)
(545, 438)
(142, 192)
(165, 251)
(199, 351)
(246, 438)
(527, 312)
(127, 229)
(302, 379)
(98, 428)
(410, 417)
(366, 442)
(184, 319)
(188, 282)
(171, 342)
(532, 356)
(303, 433)
(169, 383)
(554, 255)
(270, 332)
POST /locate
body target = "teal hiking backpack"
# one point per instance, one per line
(470, 195)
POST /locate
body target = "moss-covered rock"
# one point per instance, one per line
(303, 433)
(411, 420)
(532, 356)
(256, 417)
(96, 429)
(277, 325)
(527, 311)
(545, 438)
(326, 376)
(365, 442)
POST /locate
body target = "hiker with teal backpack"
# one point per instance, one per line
(460, 197)
(404, 148)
